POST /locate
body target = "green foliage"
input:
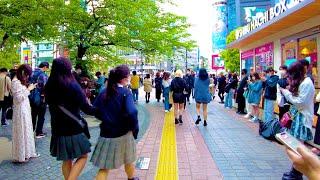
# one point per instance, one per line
(9, 57)
(231, 57)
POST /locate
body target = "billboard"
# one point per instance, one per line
(217, 62)
(219, 29)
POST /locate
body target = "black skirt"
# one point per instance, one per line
(178, 98)
(69, 147)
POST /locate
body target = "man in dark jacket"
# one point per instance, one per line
(190, 84)
(270, 94)
(283, 83)
(221, 87)
(38, 104)
(240, 98)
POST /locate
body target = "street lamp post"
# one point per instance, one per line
(186, 59)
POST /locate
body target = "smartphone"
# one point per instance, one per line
(288, 140)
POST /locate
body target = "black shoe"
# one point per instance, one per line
(180, 119)
(205, 123)
(213, 98)
(135, 178)
(198, 120)
(176, 121)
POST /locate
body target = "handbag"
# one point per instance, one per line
(82, 122)
(286, 120)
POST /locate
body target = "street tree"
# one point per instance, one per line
(231, 56)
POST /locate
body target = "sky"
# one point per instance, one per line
(199, 15)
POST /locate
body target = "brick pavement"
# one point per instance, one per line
(237, 148)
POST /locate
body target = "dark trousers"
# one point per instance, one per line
(4, 105)
(241, 103)
(147, 96)
(38, 117)
(221, 95)
(188, 95)
(192, 93)
(283, 110)
(317, 133)
(158, 94)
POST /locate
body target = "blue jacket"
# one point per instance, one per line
(255, 91)
(201, 90)
(271, 87)
(118, 114)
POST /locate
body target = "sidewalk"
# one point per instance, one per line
(237, 148)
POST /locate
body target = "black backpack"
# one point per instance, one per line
(269, 129)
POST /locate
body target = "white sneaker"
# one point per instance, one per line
(254, 119)
(166, 111)
(247, 116)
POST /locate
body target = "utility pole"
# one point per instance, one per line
(186, 59)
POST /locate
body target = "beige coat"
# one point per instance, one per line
(147, 83)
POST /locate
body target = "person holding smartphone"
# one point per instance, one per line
(300, 94)
(23, 143)
(254, 97)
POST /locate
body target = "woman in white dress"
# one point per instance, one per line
(23, 144)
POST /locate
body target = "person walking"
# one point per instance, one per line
(178, 86)
(135, 85)
(221, 87)
(147, 83)
(230, 90)
(193, 76)
(158, 86)
(240, 92)
(254, 97)
(5, 86)
(270, 94)
(189, 79)
(100, 83)
(282, 83)
(212, 86)
(70, 135)
(37, 99)
(202, 95)
(119, 126)
(23, 144)
(166, 90)
(299, 94)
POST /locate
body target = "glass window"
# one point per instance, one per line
(289, 53)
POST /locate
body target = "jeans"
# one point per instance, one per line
(268, 109)
(135, 93)
(166, 103)
(38, 117)
(229, 97)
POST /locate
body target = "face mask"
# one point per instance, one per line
(282, 73)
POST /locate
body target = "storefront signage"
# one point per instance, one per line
(273, 12)
(247, 54)
(264, 49)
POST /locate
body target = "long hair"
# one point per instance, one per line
(203, 75)
(115, 77)
(256, 76)
(166, 76)
(296, 74)
(23, 73)
(60, 77)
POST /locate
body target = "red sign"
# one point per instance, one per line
(217, 62)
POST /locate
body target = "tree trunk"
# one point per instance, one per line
(4, 39)
(81, 51)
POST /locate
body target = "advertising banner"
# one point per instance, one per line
(219, 30)
(264, 57)
(217, 62)
(247, 54)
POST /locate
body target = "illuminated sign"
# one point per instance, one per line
(273, 12)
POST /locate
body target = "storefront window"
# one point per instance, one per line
(308, 51)
(289, 53)
(264, 57)
(247, 60)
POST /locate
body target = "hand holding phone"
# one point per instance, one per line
(289, 141)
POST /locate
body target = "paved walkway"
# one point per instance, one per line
(237, 148)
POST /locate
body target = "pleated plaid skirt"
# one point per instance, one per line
(112, 153)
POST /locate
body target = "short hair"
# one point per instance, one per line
(78, 66)
(3, 70)
(43, 64)
(284, 67)
(148, 76)
(134, 72)
(98, 73)
(178, 73)
(269, 69)
(245, 71)
(305, 62)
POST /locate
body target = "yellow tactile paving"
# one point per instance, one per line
(167, 168)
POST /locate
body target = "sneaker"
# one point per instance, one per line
(180, 119)
(205, 123)
(39, 136)
(166, 111)
(254, 119)
(247, 116)
(5, 124)
(176, 121)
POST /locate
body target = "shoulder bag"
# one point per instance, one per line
(82, 122)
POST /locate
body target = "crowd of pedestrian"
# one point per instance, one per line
(69, 95)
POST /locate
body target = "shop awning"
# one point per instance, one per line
(303, 11)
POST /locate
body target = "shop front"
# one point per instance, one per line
(247, 60)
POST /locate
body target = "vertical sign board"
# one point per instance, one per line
(217, 62)
(26, 55)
